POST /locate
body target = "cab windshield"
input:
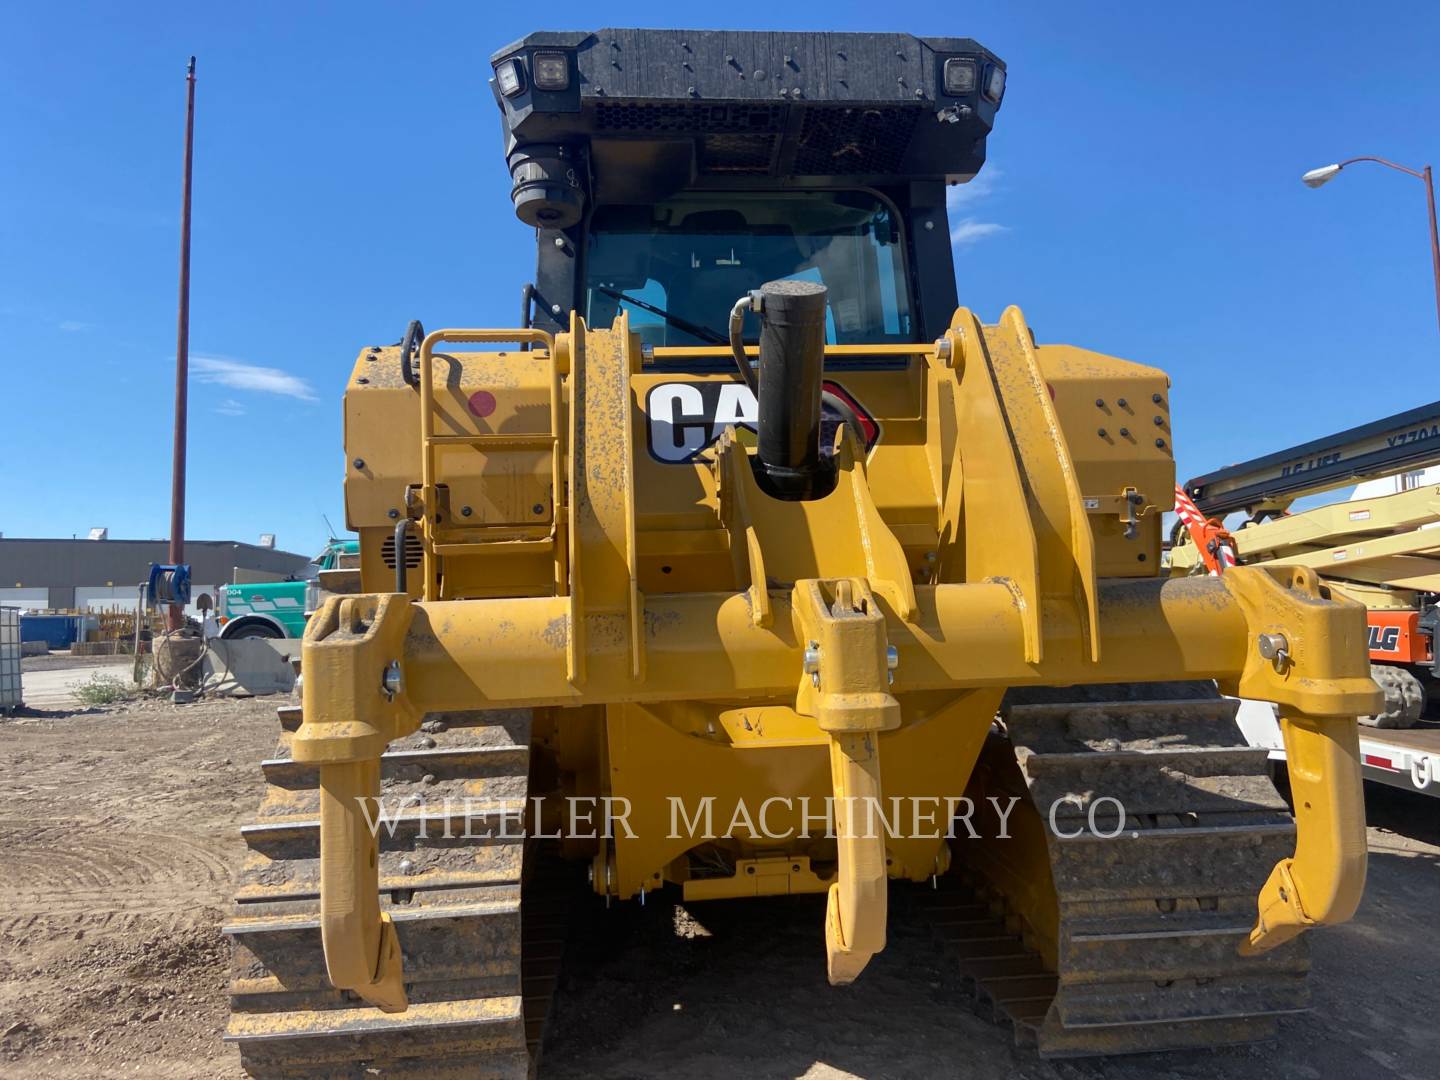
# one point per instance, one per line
(678, 266)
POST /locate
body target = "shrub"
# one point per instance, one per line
(104, 690)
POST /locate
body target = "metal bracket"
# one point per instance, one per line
(355, 703)
(1310, 658)
(845, 687)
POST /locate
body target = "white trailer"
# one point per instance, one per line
(1405, 758)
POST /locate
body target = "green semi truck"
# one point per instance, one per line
(278, 609)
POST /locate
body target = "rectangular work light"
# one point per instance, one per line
(551, 70)
(994, 83)
(959, 76)
(509, 78)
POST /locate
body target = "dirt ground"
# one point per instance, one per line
(119, 833)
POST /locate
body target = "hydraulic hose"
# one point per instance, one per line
(737, 344)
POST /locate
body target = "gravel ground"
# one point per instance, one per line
(119, 836)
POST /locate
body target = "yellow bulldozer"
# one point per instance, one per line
(752, 564)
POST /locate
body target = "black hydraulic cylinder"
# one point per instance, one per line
(792, 369)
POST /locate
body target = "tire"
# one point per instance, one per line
(253, 630)
(1404, 697)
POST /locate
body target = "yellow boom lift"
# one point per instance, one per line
(1379, 547)
(753, 525)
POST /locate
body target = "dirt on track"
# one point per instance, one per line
(119, 834)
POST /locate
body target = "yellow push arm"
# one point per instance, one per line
(1309, 656)
(354, 704)
(846, 689)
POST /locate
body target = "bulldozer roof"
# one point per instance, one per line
(731, 108)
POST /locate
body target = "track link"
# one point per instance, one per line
(481, 962)
(1133, 947)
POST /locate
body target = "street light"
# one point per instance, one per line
(1316, 177)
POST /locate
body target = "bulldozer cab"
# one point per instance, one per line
(669, 172)
(677, 266)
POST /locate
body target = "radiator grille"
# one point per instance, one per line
(854, 140)
(413, 554)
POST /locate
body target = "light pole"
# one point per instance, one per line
(1316, 177)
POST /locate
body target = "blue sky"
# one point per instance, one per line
(1142, 199)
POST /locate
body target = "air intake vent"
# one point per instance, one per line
(847, 141)
(737, 153)
(688, 118)
(413, 553)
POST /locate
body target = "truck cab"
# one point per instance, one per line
(278, 609)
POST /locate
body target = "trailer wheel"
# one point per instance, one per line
(1404, 697)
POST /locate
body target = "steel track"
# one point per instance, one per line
(481, 955)
(1135, 950)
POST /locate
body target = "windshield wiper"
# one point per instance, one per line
(704, 333)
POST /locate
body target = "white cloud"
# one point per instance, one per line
(74, 326)
(241, 376)
(230, 407)
(967, 228)
(985, 184)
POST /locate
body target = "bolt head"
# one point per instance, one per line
(359, 463)
(812, 658)
(1272, 646)
(393, 681)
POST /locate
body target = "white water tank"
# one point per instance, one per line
(10, 699)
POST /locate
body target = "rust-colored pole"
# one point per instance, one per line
(1434, 235)
(175, 613)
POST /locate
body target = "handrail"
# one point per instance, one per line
(429, 440)
(661, 352)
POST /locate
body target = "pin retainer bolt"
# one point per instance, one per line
(1274, 647)
(812, 663)
(392, 682)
